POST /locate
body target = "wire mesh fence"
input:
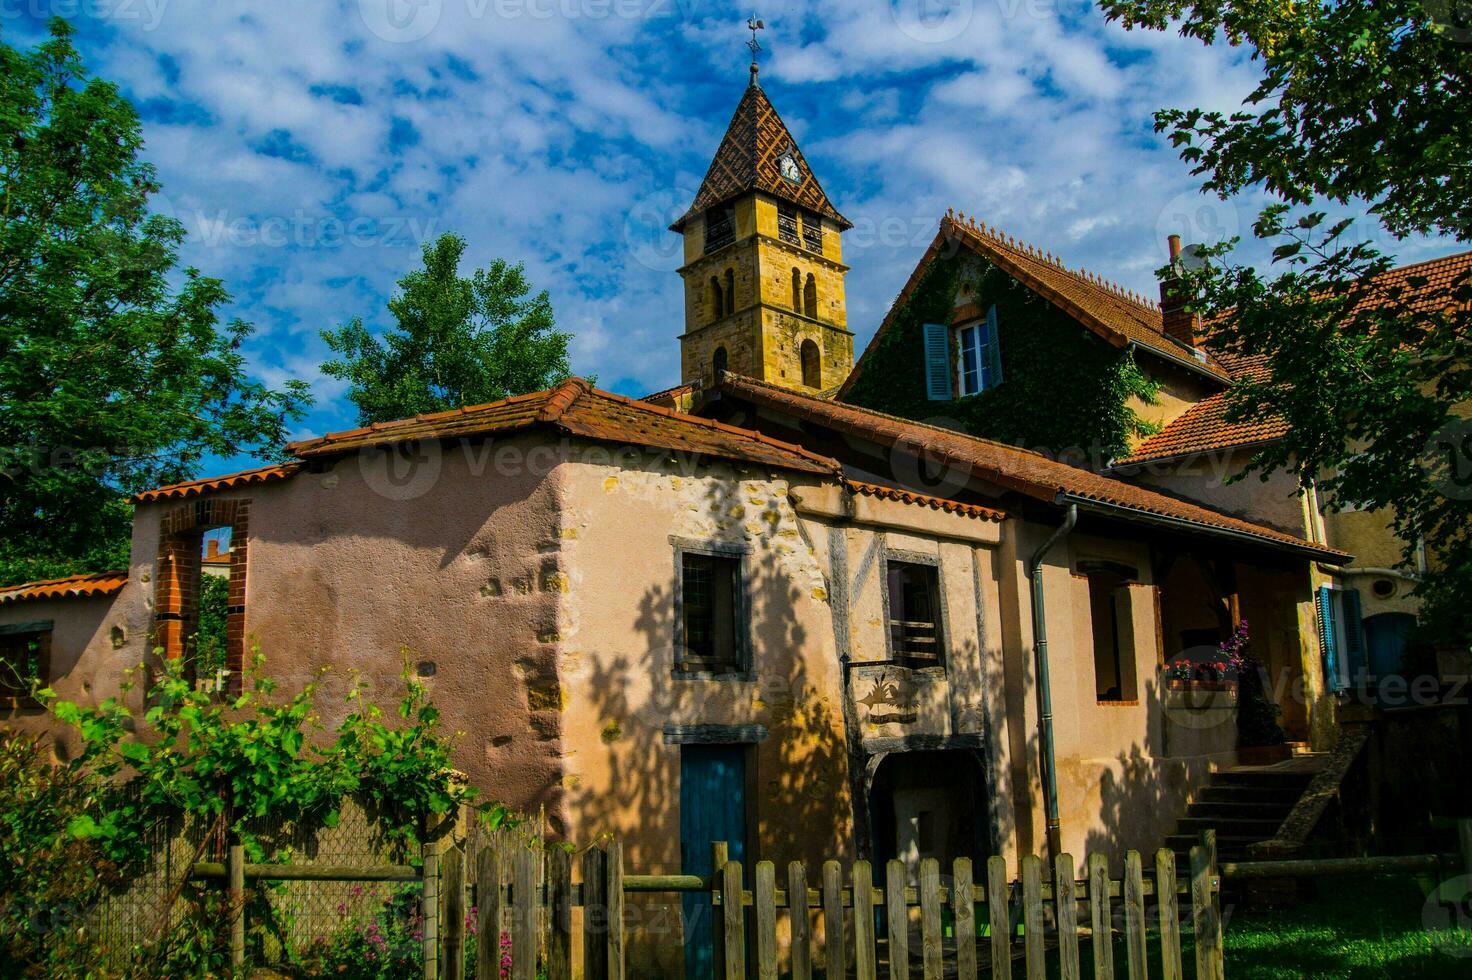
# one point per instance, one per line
(325, 901)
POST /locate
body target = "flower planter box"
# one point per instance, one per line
(1200, 695)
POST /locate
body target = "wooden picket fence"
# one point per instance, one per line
(1045, 916)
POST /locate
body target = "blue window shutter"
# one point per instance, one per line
(993, 350)
(1328, 638)
(937, 362)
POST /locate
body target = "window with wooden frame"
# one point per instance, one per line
(1111, 612)
(914, 610)
(979, 358)
(25, 655)
(711, 633)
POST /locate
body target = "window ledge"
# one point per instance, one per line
(1117, 704)
(693, 673)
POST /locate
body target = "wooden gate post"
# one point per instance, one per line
(429, 850)
(488, 898)
(235, 897)
(595, 914)
(454, 926)
(614, 896)
(1206, 915)
(559, 911)
(719, 855)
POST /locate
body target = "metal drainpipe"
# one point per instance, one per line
(1045, 694)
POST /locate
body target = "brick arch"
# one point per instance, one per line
(176, 590)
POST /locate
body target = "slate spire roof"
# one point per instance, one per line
(749, 159)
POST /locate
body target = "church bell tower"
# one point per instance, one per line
(763, 262)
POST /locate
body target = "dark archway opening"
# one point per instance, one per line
(929, 804)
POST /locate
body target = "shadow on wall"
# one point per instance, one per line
(1143, 795)
(793, 801)
(796, 775)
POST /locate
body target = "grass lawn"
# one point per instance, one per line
(1356, 927)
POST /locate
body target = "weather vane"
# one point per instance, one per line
(754, 25)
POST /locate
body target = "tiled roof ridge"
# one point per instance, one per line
(67, 586)
(260, 474)
(1048, 483)
(671, 391)
(561, 397)
(328, 438)
(925, 500)
(735, 430)
(754, 382)
(959, 221)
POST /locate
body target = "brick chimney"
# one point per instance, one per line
(1179, 324)
(212, 548)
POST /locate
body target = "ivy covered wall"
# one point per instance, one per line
(1064, 391)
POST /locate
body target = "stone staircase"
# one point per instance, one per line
(1244, 805)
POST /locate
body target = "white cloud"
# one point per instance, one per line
(560, 132)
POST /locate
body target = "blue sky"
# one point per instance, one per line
(309, 147)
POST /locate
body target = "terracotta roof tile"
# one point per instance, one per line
(671, 395)
(1204, 427)
(1108, 310)
(69, 587)
(1016, 469)
(577, 408)
(194, 488)
(924, 500)
(748, 160)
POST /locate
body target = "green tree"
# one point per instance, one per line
(116, 373)
(1362, 106)
(457, 341)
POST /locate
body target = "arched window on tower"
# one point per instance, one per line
(810, 297)
(812, 369)
(717, 305)
(718, 362)
(730, 292)
(796, 290)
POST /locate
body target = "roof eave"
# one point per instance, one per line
(1121, 512)
(1182, 360)
(1122, 465)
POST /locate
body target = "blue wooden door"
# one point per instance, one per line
(712, 808)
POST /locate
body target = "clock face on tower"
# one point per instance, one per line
(788, 167)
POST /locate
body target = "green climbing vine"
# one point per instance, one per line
(1065, 391)
(259, 755)
(239, 769)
